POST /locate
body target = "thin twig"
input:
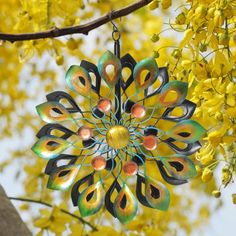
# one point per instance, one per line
(50, 205)
(79, 29)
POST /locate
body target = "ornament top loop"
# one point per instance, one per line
(115, 32)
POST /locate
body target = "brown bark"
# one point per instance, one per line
(10, 222)
(78, 29)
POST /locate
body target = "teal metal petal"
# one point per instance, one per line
(187, 131)
(108, 58)
(173, 94)
(79, 80)
(150, 65)
(156, 193)
(50, 146)
(90, 205)
(63, 177)
(125, 206)
(52, 112)
(179, 166)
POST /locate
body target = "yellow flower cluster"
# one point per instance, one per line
(206, 58)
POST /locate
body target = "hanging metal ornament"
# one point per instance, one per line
(98, 151)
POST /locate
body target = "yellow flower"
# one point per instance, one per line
(166, 3)
(180, 19)
(153, 5)
(53, 220)
(226, 176)
(216, 193)
(200, 11)
(206, 154)
(234, 198)
(207, 175)
(223, 39)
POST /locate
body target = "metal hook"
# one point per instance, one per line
(115, 32)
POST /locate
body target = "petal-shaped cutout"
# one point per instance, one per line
(179, 166)
(108, 58)
(173, 93)
(150, 65)
(52, 112)
(157, 195)
(125, 205)
(187, 131)
(78, 80)
(63, 177)
(91, 199)
(49, 147)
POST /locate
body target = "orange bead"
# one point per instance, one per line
(130, 168)
(150, 142)
(104, 105)
(138, 111)
(99, 163)
(85, 133)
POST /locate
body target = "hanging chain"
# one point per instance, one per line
(116, 38)
(115, 32)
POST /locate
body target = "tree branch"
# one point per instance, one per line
(79, 29)
(50, 205)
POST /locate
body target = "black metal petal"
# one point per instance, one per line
(91, 68)
(163, 73)
(127, 106)
(188, 110)
(139, 159)
(108, 203)
(169, 179)
(58, 95)
(90, 143)
(48, 128)
(53, 163)
(110, 164)
(142, 199)
(127, 61)
(75, 193)
(187, 151)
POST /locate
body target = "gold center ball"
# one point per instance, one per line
(117, 137)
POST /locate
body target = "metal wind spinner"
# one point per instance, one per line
(115, 138)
